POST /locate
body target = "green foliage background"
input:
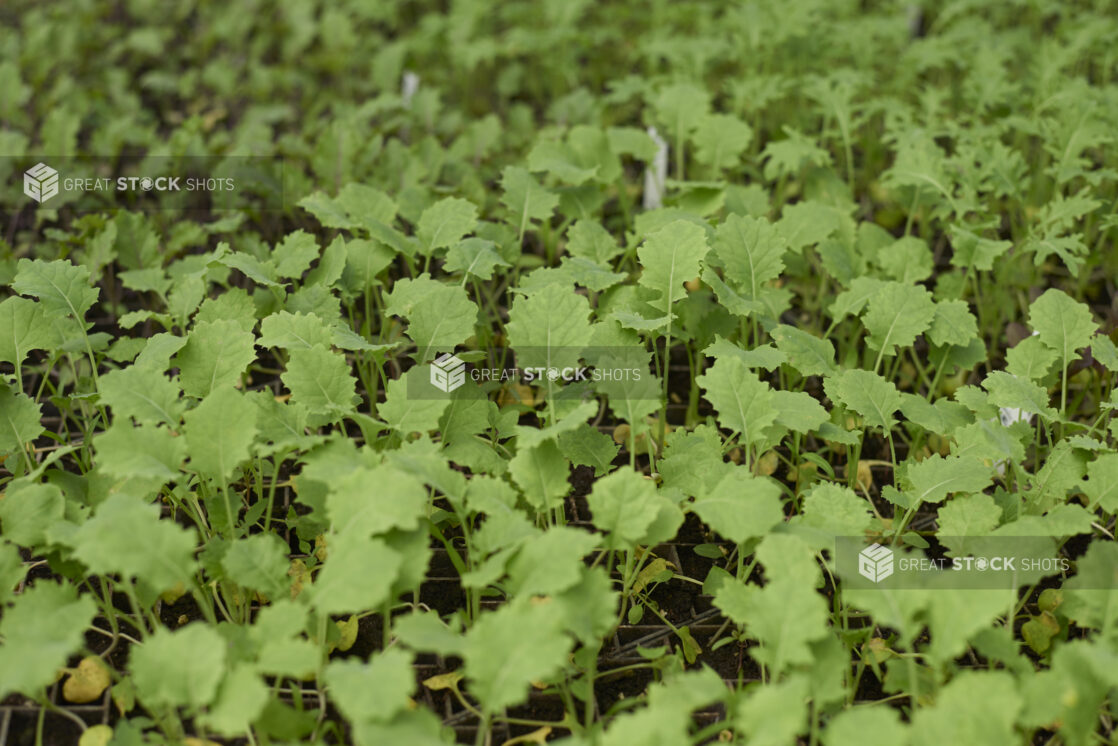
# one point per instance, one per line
(875, 297)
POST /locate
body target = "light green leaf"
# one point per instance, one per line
(144, 451)
(358, 574)
(24, 327)
(624, 504)
(866, 393)
(475, 257)
(896, 314)
(1063, 324)
(376, 500)
(741, 506)
(293, 255)
(672, 256)
(219, 433)
(126, 536)
(290, 331)
(144, 394)
(444, 223)
(808, 354)
(936, 477)
(744, 403)
(977, 708)
(41, 629)
(259, 562)
(179, 668)
(550, 563)
(63, 288)
(953, 324)
(320, 380)
(411, 414)
(440, 317)
(508, 649)
(1007, 390)
(376, 690)
(215, 355)
(27, 510)
(525, 198)
(19, 420)
(550, 327)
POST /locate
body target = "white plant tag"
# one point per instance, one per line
(656, 175)
(409, 84)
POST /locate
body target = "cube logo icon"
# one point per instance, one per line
(447, 373)
(40, 182)
(875, 563)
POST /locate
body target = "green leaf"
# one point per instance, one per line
(508, 649)
(744, 403)
(936, 477)
(320, 380)
(798, 410)
(625, 505)
(741, 506)
(720, 139)
(589, 446)
(358, 574)
(541, 473)
(19, 420)
(808, 354)
(440, 317)
(444, 223)
(241, 698)
(972, 250)
(1102, 482)
(376, 690)
(126, 536)
(866, 393)
(62, 288)
(865, 726)
(1007, 390)
(24, 326)
(549, 328)
(41, 629)
(411, 414)
(293, 255)
(144, 394)
(1063, 324)
(215, 355)
(220, 432)
(670, 257)
(259, 562)
(27, 510)
(751, 252)
(292, 331)
(589, 240)
(968, 515)
(896, 314)
(525, 198)
(376, 500)
(953, 324)
(144, 451)
(976, 707)
(475, 257)
(786, 615)
(179, 668)
(550, 563)
(1030, 359)
(774, 714)
(836, 510)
